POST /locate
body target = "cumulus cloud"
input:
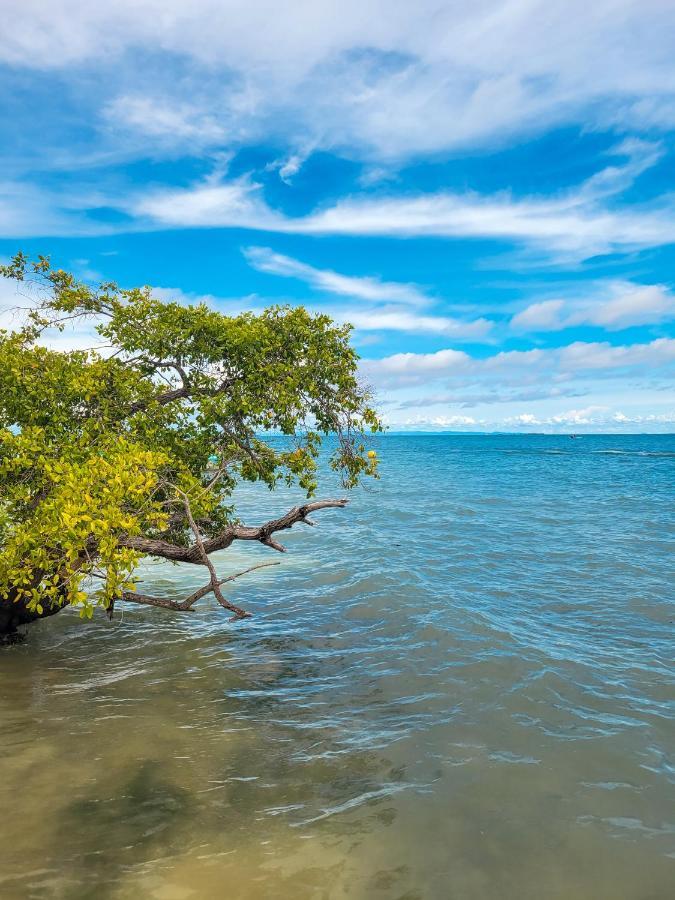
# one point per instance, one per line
(588, 420)
(584, 416)
(543, 316)
(612, 306)
(637, 305)
(591, 417)
(418, 365)
(441, 422)
(581, 356)
(578, 357)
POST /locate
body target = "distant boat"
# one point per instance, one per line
(574, 436)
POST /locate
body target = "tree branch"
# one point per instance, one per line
(239, 613)
(181, 393)
(161, 399)
(134, 597)
(188, 604)
(260, 533)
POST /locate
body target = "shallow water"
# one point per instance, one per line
(462, 687)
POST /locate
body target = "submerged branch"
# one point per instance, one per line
(188, 604)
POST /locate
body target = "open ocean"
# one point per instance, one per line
(460, 688)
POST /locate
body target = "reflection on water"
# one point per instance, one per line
(461, 689)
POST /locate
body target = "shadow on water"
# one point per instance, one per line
(136, 785)
(113, 835)
(150, 822)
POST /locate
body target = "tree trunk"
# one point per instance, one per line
(14, 614)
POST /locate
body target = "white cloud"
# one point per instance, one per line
(15, 300)
(237, 204)
(441, 421)
(381, 299)
(640, 373)
(656, 111)
(160, 117)
(575, 358)
(568, 226)
(507, 359)
(364, 287)
(383, 319)
(584, 416)
(388, 78)
(523, 419)
(543, 316)
(581, 356)
(640, 156)
(612, 306)
(593, 419)
(500, 393)
(11, 302)
(289, 166)
(637, 305)
(419, 364)
(575, 225)
(26, 211)
(369, 317)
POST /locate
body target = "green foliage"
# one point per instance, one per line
(97, 446)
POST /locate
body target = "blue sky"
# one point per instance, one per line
(484, 190)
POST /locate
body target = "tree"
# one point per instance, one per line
(133, 450)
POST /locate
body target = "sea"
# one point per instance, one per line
(460, 687)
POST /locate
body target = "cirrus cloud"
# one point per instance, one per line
(368, 76)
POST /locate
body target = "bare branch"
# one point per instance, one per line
(188, 604)
(261, 533)
(239, 613)
(134, 597)
(246, 571)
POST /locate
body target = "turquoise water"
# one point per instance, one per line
(460, 687)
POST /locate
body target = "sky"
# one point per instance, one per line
(484, 190)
